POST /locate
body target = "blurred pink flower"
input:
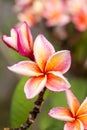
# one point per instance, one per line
(78, 13)
(32, 13)
(47, 70)
(55, 13)
(76, 117)
(22, 2)
(74, 6)
(20, 40)
(21, 5)
(80, 20)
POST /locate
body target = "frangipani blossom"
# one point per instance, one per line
(23, 2)
(78, 13)
(20, 40)
(47, 70)
(74, 6)
(55, 13)
(80, 20)
(21, 5)
(32, 13)
(75, 116)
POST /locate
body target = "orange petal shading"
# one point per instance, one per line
(25, 41)
(27, 68)
(25, 34)
(61, 113)
(83, 108)
(75, 125)
(72, 102)
(56, 82)
(34, 86)
(80, 20)
(83, 119)
(60, 61)
(43, 49)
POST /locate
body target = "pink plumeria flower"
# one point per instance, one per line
(28, 16)
(32, 13)
(23, 2)
(20, 40)
(47, 70)
(80, 20)
(21, 5)
(78, 13)
(74, 6)
(76, 116)
(55, 13)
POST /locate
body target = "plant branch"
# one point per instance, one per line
(33, 114)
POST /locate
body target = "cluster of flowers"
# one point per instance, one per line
(46, 68)
(53, 12)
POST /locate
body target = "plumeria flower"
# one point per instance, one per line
(28, 16)
(23, 2)
(74, 6)
(78, 13)
(55, 13)
(47, 70)
(21, 5)
(32, 13)
(80, 20)
(20, 40)
(75, 116)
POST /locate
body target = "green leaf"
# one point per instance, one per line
(17, 56)
(79, 87)
(80, 48)
(20, 105)
(56, 125)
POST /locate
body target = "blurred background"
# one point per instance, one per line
(10, 111)
(7, 79)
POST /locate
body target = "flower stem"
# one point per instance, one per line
(33, 114)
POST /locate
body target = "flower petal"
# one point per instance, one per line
(72, 102)
(25, 40)
(61, 113)
(80, 20)
(60, 61)
(75, 125)
(56, 82)
(27, 68)
(12, 40)
(34, 86)
(42, 51)
(83, 108)
(83, 119)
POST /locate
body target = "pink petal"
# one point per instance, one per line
(59, 20)
(61, 113)
(25, 40)
(75, 125)
(72, 102)
(83, 108)
(42, 51)
(80, 20)
(27, 68)
(34, 86)
(83, 119)
(11, 41)
(56, 82)
(60, 61)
